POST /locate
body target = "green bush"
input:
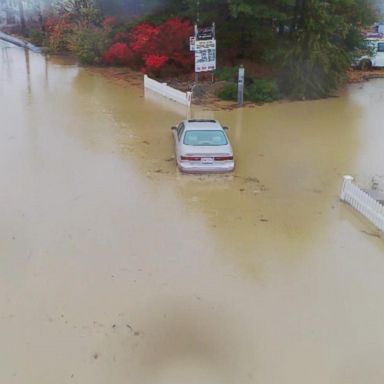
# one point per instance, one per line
(258, 90)
(226, 73)
(37, 37)
(228, 92)
(261, 90)
(88, 44)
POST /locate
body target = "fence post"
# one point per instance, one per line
(346, 181)
(189, 98)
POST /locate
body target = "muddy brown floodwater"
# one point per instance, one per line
(115, 268)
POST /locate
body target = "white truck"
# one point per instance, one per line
(375, 55)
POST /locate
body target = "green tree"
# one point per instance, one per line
(128, 8)
(323, 36)
(88, 43)
(85, 12)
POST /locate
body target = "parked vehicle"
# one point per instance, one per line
(202, 146)
(374, 55)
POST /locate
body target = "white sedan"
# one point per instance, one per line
(202, 146)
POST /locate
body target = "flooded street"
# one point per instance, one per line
(116, 268)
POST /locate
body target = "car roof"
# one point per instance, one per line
(202, 124)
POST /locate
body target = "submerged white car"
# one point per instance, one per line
(202, 146)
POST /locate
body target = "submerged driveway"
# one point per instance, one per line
(117, 269)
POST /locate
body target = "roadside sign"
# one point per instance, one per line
(205, 49)
(205, 55)
(205, 44)
(205, 33)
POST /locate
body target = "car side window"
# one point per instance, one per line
(180, 130)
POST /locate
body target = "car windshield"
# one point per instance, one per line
(200, 138)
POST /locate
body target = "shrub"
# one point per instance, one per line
(154, 64)
(158, 50)
(263, 90)
(58, 31)
(258, 90)
(142, 38)
(37, 37)
(228, 92)
(177, 47)
(118, 54)
(88, 43)
(227, 73)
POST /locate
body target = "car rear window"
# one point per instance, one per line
(200, 138)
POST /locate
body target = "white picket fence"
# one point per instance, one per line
(362, 202)
(165, 90)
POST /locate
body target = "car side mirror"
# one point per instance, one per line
(173, 128)
(226, 128)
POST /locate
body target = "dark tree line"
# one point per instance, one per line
(309, 42)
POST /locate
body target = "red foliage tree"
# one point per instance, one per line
(142, 38)
(173, 41)
(162, 48)
(118, 54)
(154, 63)
(58, 30)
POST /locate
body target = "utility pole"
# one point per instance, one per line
(196, 32)
(197, 12)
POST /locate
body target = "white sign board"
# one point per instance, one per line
(205, 55)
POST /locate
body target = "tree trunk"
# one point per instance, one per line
(22, 18)
(298, 16)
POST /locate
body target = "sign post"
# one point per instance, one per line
(192, 43)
